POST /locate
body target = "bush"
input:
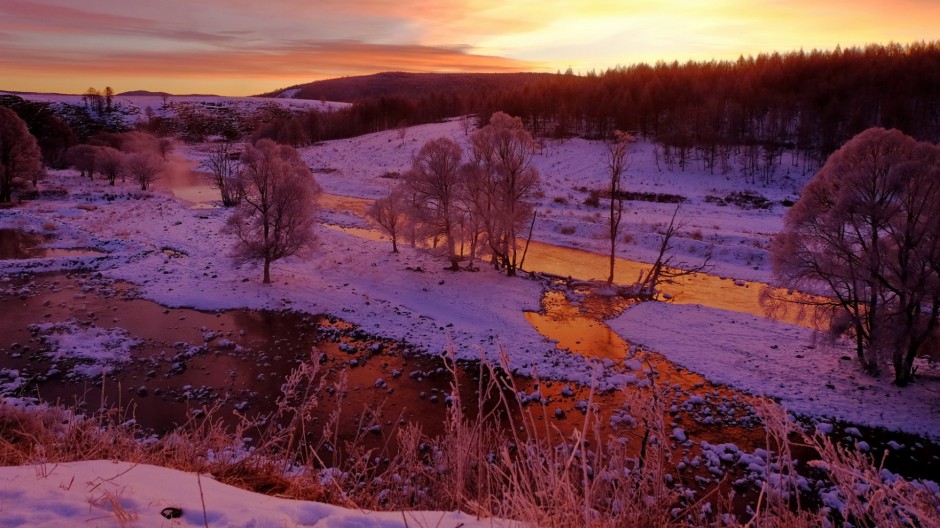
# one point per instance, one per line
(742, 199)
(593, 199)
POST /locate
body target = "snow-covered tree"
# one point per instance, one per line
(867, 229)
(224, 165)
(504, 181)
(108, 161)
(142, 167)
(391, 214)
(434, 183)
(277, 214)
(82, 158)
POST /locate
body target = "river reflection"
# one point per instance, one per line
(18, 244)
(697, 288)
(189, 362)
(574, 331)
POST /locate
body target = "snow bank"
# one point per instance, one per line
(785, 362)
(106, 493)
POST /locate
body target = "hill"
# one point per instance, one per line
(411, 85)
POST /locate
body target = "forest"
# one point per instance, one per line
(757, 107)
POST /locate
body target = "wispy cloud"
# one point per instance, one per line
(297, 62)
(175, 42)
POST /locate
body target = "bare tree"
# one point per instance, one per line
(20, 156)
(94, 100)
(617, 163)
(142, 167)
(278, 210)
(224, 165)
(466, 124)
(390, 212)
(435, 184)
(164, 147)
(666, 268)
(108, 99)
(82, 157)
(505, 180)
(866, 231)
(108, 162)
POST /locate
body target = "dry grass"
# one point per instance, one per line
(508, 460)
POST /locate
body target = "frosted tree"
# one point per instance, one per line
(277, 215)
(866, 232)
(504, 181)
(391, 214)
(224, 165)
(108, 161)
(20, 156)
(142, 167)
(82, 158)
(434, 184)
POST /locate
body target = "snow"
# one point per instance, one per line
(137, 104)
(96, 351)
(365, 167)
(787, 362)
(107, 493)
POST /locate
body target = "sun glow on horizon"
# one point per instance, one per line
(241, 49)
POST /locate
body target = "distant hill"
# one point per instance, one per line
(411, 85)
(148, 93)
(144, 92)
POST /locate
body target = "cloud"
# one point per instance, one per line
(38, 16)
(296, 62)
(228, 40)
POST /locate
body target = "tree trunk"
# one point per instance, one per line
(902, 369)
(610, 278)
(267, 270)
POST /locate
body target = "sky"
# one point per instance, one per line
(242, 47)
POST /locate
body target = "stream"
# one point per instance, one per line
(187, 363)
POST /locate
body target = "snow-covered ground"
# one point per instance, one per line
(789, 363)
(365, 167)
(108, 493)
(138, 104)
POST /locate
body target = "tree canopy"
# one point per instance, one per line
(867, 227)
(20, 156)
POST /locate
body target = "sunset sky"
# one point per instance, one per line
(242, 47)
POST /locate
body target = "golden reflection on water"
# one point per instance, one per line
(697, 288)
(351, 204)
(361, 232)
(581, 334)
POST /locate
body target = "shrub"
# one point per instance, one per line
(742, 199)
(593, 199)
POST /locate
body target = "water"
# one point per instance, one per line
(242, 366)
(17, 244)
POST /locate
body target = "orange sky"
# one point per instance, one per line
(242, 47)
